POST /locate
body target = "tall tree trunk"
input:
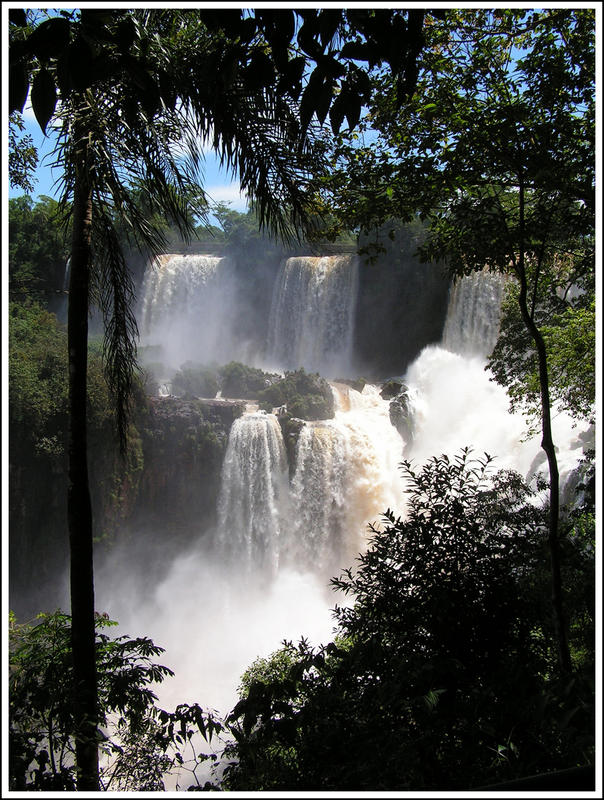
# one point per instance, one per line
(78, 505)
(547, 444)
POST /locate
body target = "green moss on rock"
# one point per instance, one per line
(306, 395)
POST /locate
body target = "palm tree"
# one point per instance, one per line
(133, 94)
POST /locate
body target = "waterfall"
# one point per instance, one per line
(312, 314)
(263, 574)
(455, 403)
(345, 477)
(253, 491)
(188, 309)
(175, 284)
(472, 323)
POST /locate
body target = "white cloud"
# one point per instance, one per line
(227, 193)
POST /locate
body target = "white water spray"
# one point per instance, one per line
(312, 314)
(188, 310)
(472, 323)
(253, 496)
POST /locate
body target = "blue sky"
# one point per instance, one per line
(219, 185)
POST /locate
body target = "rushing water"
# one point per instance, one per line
(282, 534)
(312, 314)
(188, 310)
(472, 323)
(253, 496)
(345, 476)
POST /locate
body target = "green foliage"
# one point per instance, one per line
(37, 373)
(38, 378)
(194, 380)
(38, 417)
(307, 396)
(239, 380)
(569, 333)
(443, 675)
(141, 742)
(235, 380)
(22, 155)
(38, 247)
(571, 343)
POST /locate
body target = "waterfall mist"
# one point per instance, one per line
(190, 308)
(253, 562)
(312, 313)
(262, 575)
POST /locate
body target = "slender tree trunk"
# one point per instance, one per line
(547, 444)
(79, 506)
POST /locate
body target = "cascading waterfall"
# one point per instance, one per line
(187, 309)
(264, 576)
(472, 323)
(345, 477)
(312, 314)
(454, 402)
(174, 284)
(253, 493)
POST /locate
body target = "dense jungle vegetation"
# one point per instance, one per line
(451, 668)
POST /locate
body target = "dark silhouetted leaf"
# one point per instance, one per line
(310, 98)
(291, 79)
(352, 110)
(43, 97)
(307, 39)
(357, 51)
(16, 16)
(50, 38)
(328, 22)
(247, 29)
(331, 67)
(324, 101)
(125, 34)
(260, 71)
(79, 63)
(96, 18)
(62, 74)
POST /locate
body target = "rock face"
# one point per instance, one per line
(183, 443)
(290, 428)
(391, 388)
(401, 415)
(392, 278)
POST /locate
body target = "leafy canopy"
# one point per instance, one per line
(141, 742)
(442, 674)
(495, 152)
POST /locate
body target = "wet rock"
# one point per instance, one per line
(401, 417)
(392, 388)
(290, 428)
(401, 413)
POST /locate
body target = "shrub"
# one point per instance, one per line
(239, 380)
(444, 671)
(194, 380)
(142, 742)
(307, 396)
